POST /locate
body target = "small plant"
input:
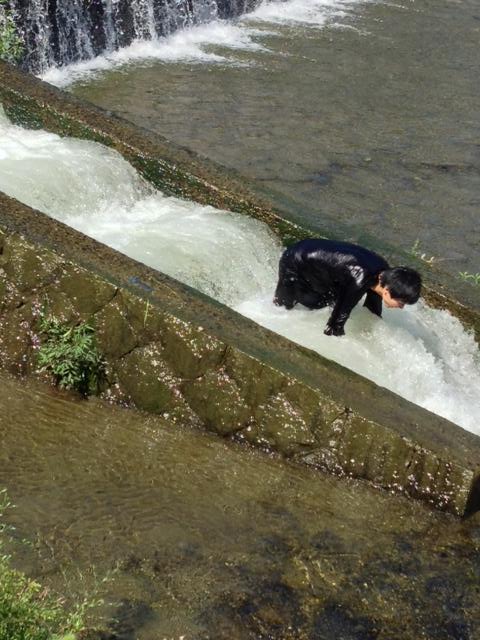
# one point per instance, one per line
(30, 611)
(473, 278)
(27, 610)
(71, 355)
(416, 253)
(11, 44)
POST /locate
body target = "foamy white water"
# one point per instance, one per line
(201, 44)
(420, 353)
(306, 12)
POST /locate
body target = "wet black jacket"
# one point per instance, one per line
(340, 272)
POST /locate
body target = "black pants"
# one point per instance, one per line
(292, 288)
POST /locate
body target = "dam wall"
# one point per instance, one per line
(173, 351)
(55, 33)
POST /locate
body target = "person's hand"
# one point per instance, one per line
(334, 330)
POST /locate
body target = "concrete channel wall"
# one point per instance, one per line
(173, 351)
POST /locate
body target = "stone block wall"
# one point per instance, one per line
(164, 363)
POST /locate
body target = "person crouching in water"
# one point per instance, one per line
(318, 273)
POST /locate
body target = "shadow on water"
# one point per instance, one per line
(211, 540)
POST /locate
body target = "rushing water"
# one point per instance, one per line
(211, 541)
(420, 353)
(358, 119)
(197, 42)
(61, 33)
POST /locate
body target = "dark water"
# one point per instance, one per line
(369, 131)
(213, 541)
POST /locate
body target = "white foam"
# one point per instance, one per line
(188, 45)
(420, 353)
(196, 244)
(306, 12)
(201, 44)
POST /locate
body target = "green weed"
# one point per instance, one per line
(473, 278)
(11, 44)
(416, 252)
(70, 354)
(28, 610)
(145, 315)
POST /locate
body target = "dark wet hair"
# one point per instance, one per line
(403, 283)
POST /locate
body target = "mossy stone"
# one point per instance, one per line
(26, 267)
(356, 451)
(395, 470)
(216, 399)
(326, 453)
(190, 351)
(315, 408)
(57, 303)
(147, 380)
(145, 319)
(10, 298)
(256, 381)
(16, 348)
(281, 425)
(87, 292)
(115, 337)
(3, 289)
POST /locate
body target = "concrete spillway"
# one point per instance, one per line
(172, 350)
(423, 354)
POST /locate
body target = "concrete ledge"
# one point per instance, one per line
(200, 363)
(173, 169)
(195, 360)
(178, 171)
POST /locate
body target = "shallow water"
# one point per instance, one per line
(420, 353)
(358, 119)
(209, 540)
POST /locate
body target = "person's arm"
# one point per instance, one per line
(346, 301)
(373, 302)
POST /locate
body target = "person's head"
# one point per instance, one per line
(400, 286)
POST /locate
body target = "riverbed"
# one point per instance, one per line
(198, 538)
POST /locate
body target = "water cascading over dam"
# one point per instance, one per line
(58, 33)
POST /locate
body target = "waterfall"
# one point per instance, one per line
(59, 32)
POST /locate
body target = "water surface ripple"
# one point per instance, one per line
(213, 541)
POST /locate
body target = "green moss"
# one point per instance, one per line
(216, 399)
